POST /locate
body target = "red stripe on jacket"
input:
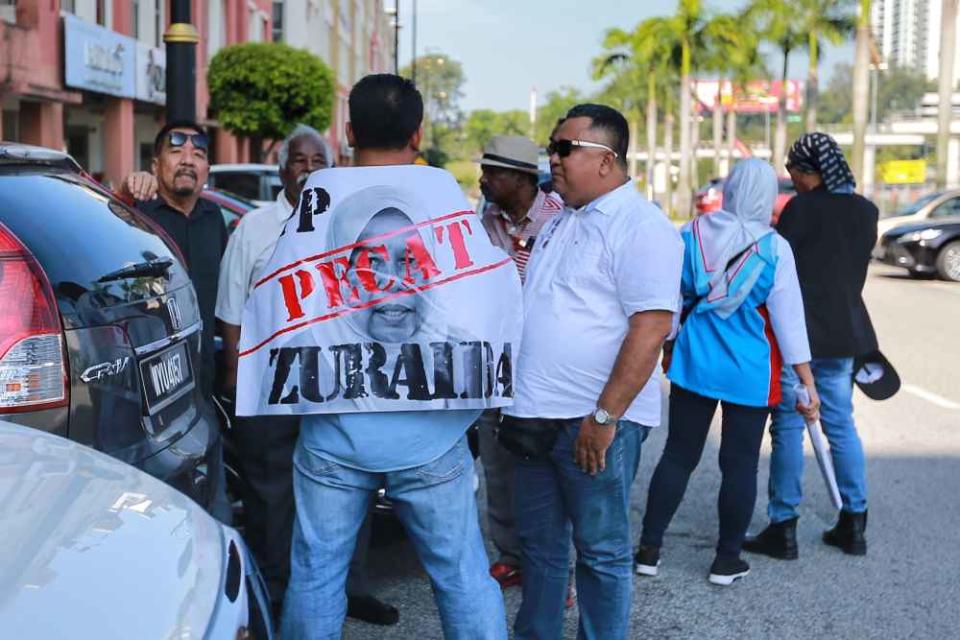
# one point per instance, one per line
(775, 394)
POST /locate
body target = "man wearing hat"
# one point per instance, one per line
(516, 211)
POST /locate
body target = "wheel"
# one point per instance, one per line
(948, 262)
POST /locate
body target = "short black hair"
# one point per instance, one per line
(170, 126)
(608, 120)
(385, 111)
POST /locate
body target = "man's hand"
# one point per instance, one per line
(590, 449)
(139, 185)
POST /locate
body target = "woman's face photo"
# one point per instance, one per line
(398, 318)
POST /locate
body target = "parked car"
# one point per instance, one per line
(94, 548)
(934, 206)
(924, 248)
(257, 182)
(232, 206)
(710, 197)
(99, 324)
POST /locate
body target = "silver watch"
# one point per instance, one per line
(601, 416)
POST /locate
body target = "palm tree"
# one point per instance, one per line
(689, 20)
(948, 43)
(778, 23)
(730, 50)
(861, 62)
(828, 20)
(645, 60)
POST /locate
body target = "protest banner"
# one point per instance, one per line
(384, 293)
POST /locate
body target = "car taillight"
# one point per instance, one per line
(32, 367)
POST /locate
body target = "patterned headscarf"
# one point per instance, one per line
(820, 153)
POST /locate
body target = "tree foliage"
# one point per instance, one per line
(483, 124)
(440, 81)
(900, 91)
(261, 90)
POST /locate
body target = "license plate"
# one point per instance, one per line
(166, 376)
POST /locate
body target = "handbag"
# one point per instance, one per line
(528, 438)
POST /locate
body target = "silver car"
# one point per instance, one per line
(94, 548)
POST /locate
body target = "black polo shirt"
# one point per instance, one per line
(832, 235)
(202, 239)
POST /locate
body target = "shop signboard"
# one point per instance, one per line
(97, 59)
(151, 74)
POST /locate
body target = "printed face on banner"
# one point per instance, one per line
(404, 305)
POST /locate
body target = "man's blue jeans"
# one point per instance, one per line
(436, 504)
(834, 379)
(553, 498)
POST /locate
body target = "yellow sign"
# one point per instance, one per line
(904, 172)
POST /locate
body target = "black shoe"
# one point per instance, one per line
(848, 533)
(778, 540)
(726, 570)
(647, 560)
(369, 609)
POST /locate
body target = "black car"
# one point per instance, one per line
(924, 248)
(99, 324)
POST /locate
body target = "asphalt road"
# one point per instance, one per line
(908, 586)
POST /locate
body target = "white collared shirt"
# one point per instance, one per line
(591, 269)
(248, 250)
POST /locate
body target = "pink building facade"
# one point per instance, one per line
(87, 76)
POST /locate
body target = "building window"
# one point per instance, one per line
(277, 35)
(158, 23)
(8, 11)
(103, 19)
(135, 19)
(69, 6)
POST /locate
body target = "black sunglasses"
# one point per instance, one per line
(564, 148)
(179, 138)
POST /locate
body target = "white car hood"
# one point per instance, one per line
(93, 548)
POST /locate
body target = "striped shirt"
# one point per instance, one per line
(517, 238)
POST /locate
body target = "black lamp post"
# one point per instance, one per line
(181, 38)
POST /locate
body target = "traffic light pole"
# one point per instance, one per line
(181, 39)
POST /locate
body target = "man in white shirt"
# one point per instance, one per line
(266, 443)
(602, 286)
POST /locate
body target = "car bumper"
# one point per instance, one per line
(913, 256)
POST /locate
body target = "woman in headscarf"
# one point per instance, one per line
(742, 316)
(832, 231)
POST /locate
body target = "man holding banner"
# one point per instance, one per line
(389, 320)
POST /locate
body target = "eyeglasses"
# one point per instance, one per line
(564, 148)
(179, 138)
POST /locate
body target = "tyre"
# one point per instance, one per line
(948, 262)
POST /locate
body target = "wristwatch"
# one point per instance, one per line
(601, 416)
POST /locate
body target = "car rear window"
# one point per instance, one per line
(243, 184)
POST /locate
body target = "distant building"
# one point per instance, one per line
(354, 37)
(907, 34)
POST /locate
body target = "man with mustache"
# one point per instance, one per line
(179, 171)
(170, 196)
(266, 443)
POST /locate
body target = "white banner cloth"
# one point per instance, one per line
(384, 293)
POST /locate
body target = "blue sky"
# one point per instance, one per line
(508, 46)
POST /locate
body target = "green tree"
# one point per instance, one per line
(778, 22)
(556, 105)
(690, 21)
(900, 90)
(440, 80)
(828, 20)
(261, 90)
(482, 124)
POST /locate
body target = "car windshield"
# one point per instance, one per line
(915, 206)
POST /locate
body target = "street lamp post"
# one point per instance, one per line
(181, 39)
(396, 37)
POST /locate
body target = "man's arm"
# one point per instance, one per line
(139, 185)
(231, 338)
(635, 363)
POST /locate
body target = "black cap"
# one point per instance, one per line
(875, 376)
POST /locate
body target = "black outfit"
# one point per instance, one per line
(740, 438)
(832, 235)
(202, 239)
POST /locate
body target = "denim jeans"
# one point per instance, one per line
(834, 379)
(436, 504)
(554, 498)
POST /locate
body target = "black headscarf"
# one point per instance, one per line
(820, 153)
